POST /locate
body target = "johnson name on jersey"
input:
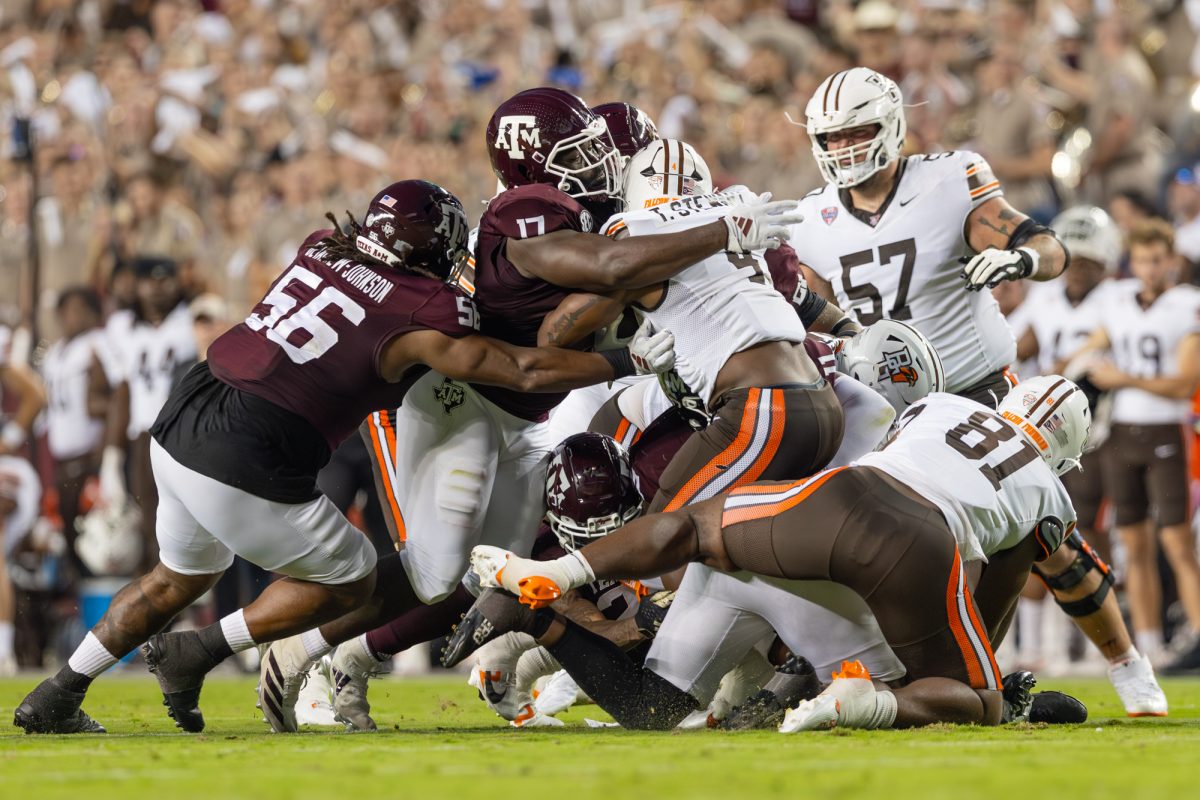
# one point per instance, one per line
(1145, 343)
(718, 306)
(903, 262)
(990, 483)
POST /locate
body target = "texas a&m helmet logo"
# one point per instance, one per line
(449, 394)
(897, 367)
(517, 128)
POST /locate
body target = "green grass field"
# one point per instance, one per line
(439, 741)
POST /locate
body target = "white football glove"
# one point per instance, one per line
(758, 224)
(992, 266)
(112, 479)
(652, 351)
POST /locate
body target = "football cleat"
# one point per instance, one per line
(314, 705)
(50, 708)
(1138, 688)
(794, 680)
(1017, 692)
(494, 614)
(1056, 708)
(498, 689)
(850, 701)
(180, 662)
(529, 717)
(499, 569)
(818, 714)
(282, 674)
(351, 668)
(560, 693)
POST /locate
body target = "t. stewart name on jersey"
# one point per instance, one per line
(366, 280)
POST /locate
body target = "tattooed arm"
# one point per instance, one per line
(992, 225)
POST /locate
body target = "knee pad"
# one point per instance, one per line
(1086, 559)
(459, 493)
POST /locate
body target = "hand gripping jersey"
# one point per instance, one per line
(312, 345)
(1061, 328)
(512, 306)
(906, 267)
(716, 307)
(990, 483)
(1145, 343)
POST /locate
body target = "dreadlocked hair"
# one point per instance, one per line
(340, 243)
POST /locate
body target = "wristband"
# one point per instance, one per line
(621, 362)
(13, 435)
(841, 325)
(1029, 261)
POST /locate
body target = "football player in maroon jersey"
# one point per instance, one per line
(463, 461)
(348, 328)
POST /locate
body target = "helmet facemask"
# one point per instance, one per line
(587, 164)
(573, 534)
(865, 158)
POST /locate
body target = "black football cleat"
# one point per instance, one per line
(1017, 689)
(794, 680)
(180, 662)
(50, 708)
(494, 614)
(1056, 708)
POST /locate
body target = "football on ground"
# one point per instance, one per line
(437, 740)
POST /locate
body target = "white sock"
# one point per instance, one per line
(1149, 641)
(91, 658)
(534, 664)
(314, 643)
(1129, 655)
(578, 570)
(366, 648)
(7, 632)
(885, 711)
(237, 635)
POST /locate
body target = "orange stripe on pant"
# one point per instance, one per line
(976, 674)
(738, 448)
(732, 516)
(381, 461)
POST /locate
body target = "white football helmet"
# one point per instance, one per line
(665, 170)
(110, 542)
(850, 99)
(896, 360)
(1089, 232)
(1053, 414)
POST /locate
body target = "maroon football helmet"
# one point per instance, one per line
(630, 127)
(416, 224)
(550, 136)
(590, 489)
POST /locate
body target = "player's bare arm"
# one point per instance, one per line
(832, 319)
(1181, 386)
(578, 315)
(1010, 246)
(24, 384)
(479, 359)
(623, 633)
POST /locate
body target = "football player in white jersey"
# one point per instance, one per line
(996, 497)
(77, 389)
(887, 236)
(1151, 326)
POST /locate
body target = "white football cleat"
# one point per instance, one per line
(560, 693)
(282, 674)
(314, 705)
(351, 668)
(497, 688)
(818, 714)
(1138, 688)
(850, 702)
(530, 717)
(487, 562)
(536, 583)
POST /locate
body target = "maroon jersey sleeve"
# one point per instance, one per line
(533, 211)
(822, 355)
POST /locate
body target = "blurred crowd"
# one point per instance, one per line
(165, 158)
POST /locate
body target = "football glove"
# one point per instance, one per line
(992, 266)
(652, 611)
(652, 351)
(758, 224)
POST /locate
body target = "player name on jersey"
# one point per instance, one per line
(366, 280)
